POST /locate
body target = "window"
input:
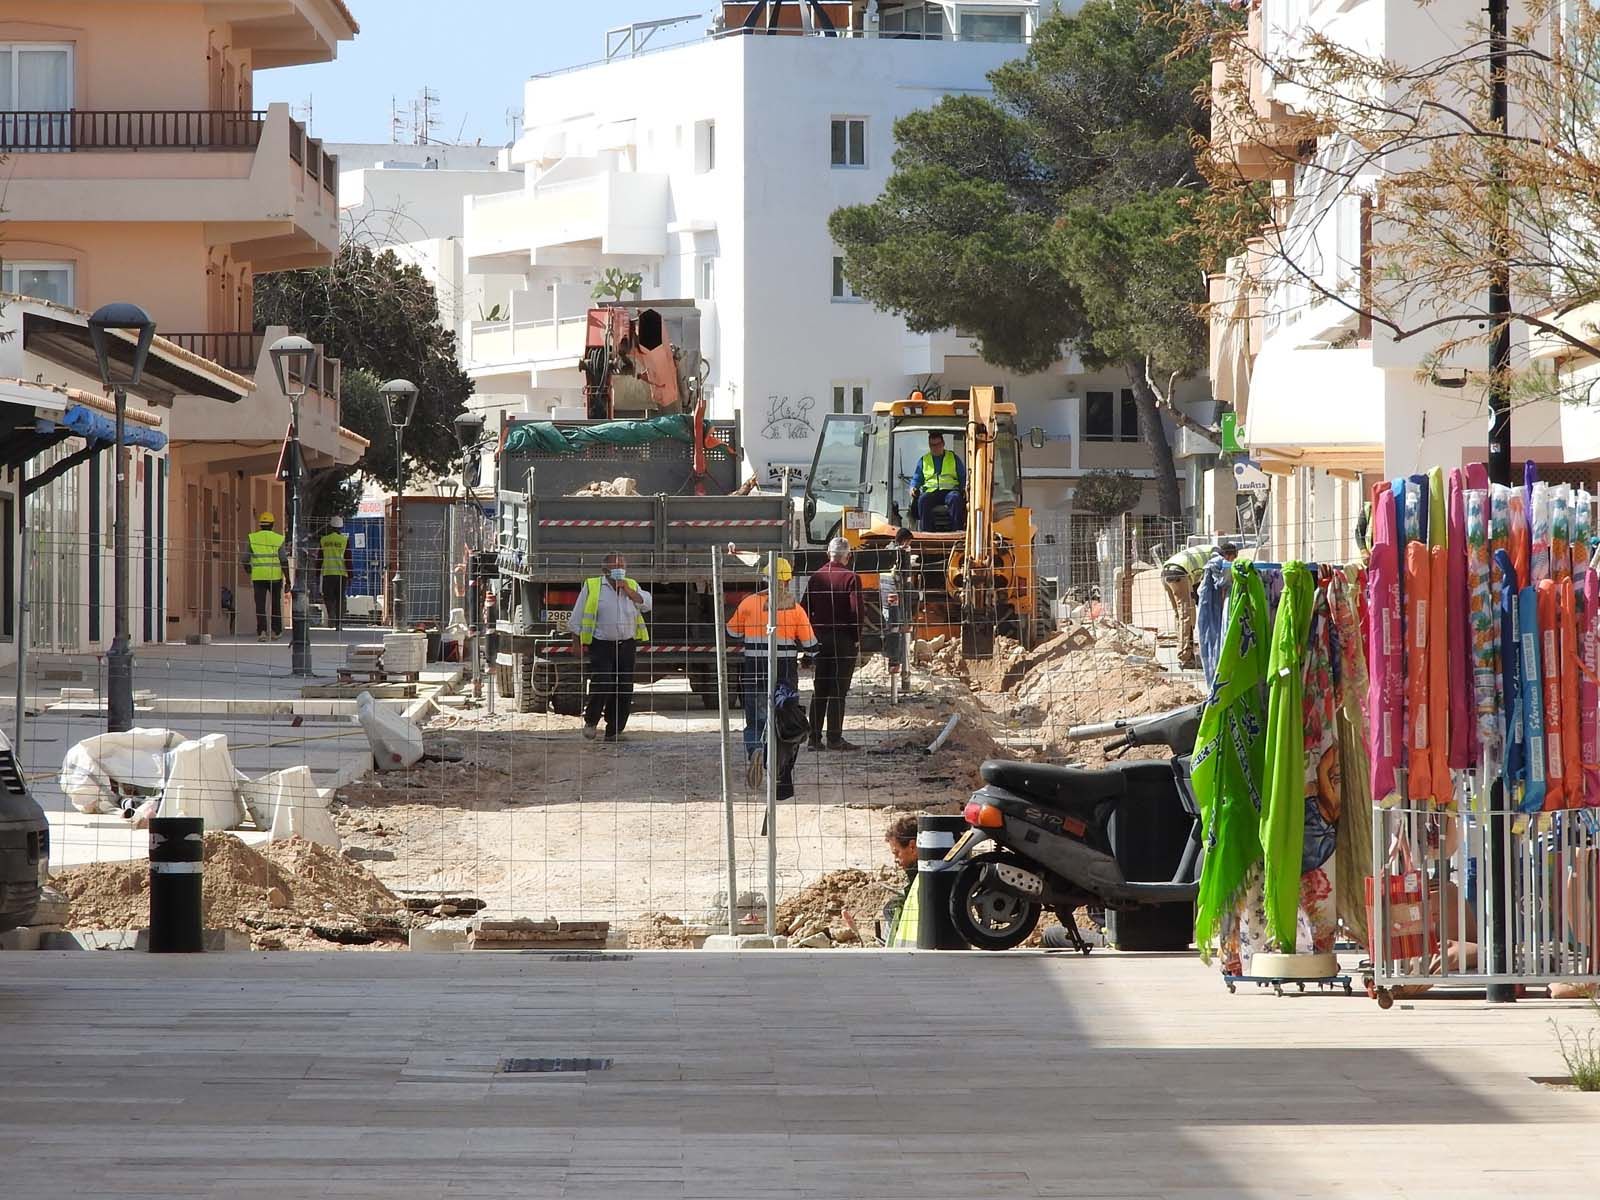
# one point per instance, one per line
(850, 398)
(1130, 417)
(705, 146)
(36, 80)
(706, 282)
(849, 141)
(991, 27)
(841, 286)
(42, 280)
(913, 20)
(1099, 417)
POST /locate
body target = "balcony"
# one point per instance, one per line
(1252, 132)
(261, 425)
(578, 203)
(502, 347)
(253, 178)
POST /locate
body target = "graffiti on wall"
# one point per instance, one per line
(789, 419)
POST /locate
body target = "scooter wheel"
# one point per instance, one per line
(988, 917)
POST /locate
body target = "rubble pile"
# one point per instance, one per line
(839, 909)
(622, 485)
(279, 894)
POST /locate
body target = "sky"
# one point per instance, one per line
(473, 54)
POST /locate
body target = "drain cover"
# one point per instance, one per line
(590, 956)
(540, 1066)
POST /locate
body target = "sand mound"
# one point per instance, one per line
(285, 885)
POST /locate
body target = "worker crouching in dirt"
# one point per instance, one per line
(795, 637)
(900, 914)
(607, 623)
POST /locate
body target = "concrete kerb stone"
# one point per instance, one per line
(215, 941)
(745, 941)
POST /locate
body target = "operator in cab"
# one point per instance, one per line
(941, 478)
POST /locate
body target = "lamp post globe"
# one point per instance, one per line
(121, 334)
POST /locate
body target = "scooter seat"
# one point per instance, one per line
(1066, 788)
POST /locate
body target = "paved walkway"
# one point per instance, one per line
(240, 688)
(764, 1075)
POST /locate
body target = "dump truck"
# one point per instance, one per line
(972, 581)
(681, 509)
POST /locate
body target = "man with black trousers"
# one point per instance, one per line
(606, 625)
(833, 602)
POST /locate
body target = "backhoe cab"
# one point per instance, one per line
(970, 582)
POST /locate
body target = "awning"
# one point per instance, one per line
(1316, 407)
(61, 336)
(37, 416)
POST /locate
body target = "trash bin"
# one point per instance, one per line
(1148, 836)
(435, 641)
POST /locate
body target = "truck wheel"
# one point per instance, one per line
(704, 685)
(526, 699)
(567, 698)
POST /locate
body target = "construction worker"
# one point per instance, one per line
(748, 627)
(607, 624)
(941, 478)
(335, 571)
(900, 915)
(833, 604)
(266, 557)
(1181, 575)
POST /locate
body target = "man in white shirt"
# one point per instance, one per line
(606, 625)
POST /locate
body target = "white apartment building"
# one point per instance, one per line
(1328, 402)
(711, 168)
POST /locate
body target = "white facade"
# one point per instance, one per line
(711, 170)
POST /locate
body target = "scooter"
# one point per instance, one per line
(1047, 837)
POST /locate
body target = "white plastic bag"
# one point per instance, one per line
(94, 767)
(396, 741)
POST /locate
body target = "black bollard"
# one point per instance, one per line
(177, 856)
(935, 837)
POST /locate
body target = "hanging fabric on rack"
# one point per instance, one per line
(1589, 687)
(1458, 606)
(1385, 675)
(1419, 594)
(1354, 854)
(1531, 683)
(1283, 786)
(1570, 673)
(1226, 770)
(1322, 795)
(1438, 527)
(1513, 758)
(1485, 623)
(1555, 790)
(1211, 614)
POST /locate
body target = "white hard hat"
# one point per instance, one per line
(337, 522)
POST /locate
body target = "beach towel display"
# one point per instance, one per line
(1385, 671)
(1458, 614)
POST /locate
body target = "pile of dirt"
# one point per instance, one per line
(842, 905)
(658, 931)
(622, 485)
(1094, 686)
(291, 887)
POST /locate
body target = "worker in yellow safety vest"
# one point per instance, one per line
(266, 557)
(941, 478)
(335, 545)
(901, 916)
(1181, 576)
(607, 624)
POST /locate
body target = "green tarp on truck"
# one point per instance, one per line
(545, 437)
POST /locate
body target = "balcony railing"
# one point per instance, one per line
(130, 129)
(237, 351)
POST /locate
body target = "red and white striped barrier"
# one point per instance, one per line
(647, 648)
(726, 522)
(593, 524)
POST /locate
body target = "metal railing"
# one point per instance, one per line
(237, 350)
(130, 129)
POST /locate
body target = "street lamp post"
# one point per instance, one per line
(400, 401)
(294, 359)
(121, 367)
(469, 436)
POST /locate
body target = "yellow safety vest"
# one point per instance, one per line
(591, 612)
(904, 933)
(264, 547)
(333, 545)
(940, 479)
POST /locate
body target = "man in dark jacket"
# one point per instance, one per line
(833, 602)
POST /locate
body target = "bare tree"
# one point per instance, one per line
(1384, 190)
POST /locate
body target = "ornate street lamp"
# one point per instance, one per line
(400, 400)
(121, 367)
(294, 360)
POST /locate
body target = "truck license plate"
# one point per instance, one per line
(557, 617)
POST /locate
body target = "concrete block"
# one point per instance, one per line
(433, 940)
(745, 941)
(215, 941)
